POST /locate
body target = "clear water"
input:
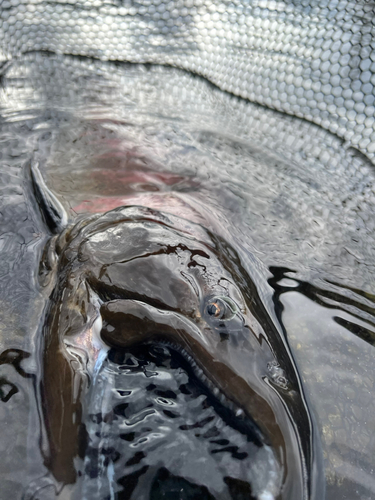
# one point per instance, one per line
(288, 192)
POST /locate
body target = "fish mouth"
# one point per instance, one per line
(129, 324)
(232, 414)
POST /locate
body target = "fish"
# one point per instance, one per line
(307, 59)
(141, 275)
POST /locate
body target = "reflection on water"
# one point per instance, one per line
(161, 418)
(332, 328)
(277, 188)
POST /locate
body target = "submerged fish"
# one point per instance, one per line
(139, 275)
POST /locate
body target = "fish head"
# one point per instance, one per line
(142, 276)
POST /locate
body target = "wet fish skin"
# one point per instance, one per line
(167, 266)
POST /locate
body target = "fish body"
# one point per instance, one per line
(137, 275)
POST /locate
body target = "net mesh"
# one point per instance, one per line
(314, 59)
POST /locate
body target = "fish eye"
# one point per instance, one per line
(221, 308)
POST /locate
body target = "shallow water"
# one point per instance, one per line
(282, 189)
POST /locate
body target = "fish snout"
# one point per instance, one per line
(128, 322)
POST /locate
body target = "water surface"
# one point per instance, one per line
(284, 190)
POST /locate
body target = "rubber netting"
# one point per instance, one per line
(314, 59)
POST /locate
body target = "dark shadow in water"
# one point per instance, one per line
(162, 482)
(7, 389)
(129, 482)
(15, 357)
(328, 299)
(239, 490)
(167, 486)
(358, 330)
(245, 426)
(12, 357)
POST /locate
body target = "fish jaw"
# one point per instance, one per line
(127, 323)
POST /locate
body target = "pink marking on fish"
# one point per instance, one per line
(166, 202)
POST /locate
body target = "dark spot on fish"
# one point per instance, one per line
(83, 440)
(14, 357)
(129, 482)
(96, 418)
(184, 390)
(129, 436)
(120, 409)
(239, 490)
(213, 432)
(201, 423)
(138, 456)
(168, 486)
(123, 393)
(7, 390)
(220, 442)
(233, 450)
(150, 387)
(168, 394)
(170, 414)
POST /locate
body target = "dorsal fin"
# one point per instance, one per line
(52, 210)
